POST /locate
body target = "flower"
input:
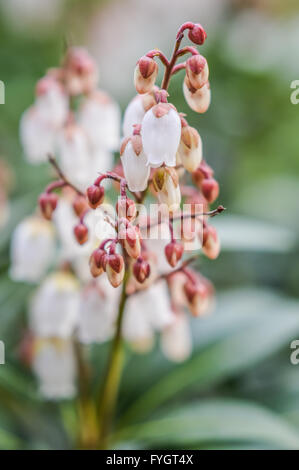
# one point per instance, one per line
(199, 294)
(198, 100)
(145, 74)
(115, 269)
(166, 185)
(197, 71)
(55, 367)
(32, 249)
(51, 102)
(190, 149)
(210, 242)
(136, 110)
(134, 162)
(99, 116)
(80, 73)
(98, 309)
(55, 306)
(176, 339)
(161, 131)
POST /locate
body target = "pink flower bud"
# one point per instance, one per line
(95, 262)
(190, 149)
(174, 252)
(202, 172)
(115, 269)
(81, 233)
(210, 242)
(126, 208)
(197, 71)
(95, 195)
(199, 295)
(80, 205)
(198, 100)
(130, 239)
(197, 34)
(210, 189)
(141, 270)
(145, 75)
(80, 71)
(48, 203)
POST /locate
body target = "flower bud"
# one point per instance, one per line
(174, 252)
(197, 34)
(141, 270)
(80, 205)
(197, 71)
(115, 269)
(210, 189)
(161, 133)
(96, 262)
(202, 172)
(166, 184)
(198, 100)
(48, 203)
(126, 208)
(81, 233)
(80, 71)
(199, 295)
(190, 148)
(95, 195)
(210, 242)
(130, 239)
(145, 75)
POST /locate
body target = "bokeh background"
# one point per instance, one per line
(239, 389)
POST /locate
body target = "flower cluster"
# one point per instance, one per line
(119, 270)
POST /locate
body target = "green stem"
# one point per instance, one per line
(113, 374)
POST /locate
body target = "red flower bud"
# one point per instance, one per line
(80, 205)
(96, 262)
(115, 269)
(126, 208)
(197, 34)
(141, 270)
(95, 195)
(198, 295)
(130, 239)
(81, 233)
(48, 203)
(146, 72)
(174, 252)
(210, 189)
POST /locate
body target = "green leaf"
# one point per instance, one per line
(234, 353)
(214, 422)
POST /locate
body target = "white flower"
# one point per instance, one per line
(134, 163)
(166, 185)
(190, 148)
(52, 103)
(161, 133)
(176, 340)
(99, 116)
(146, 311)
(136, 110)
(37, 136)
(32, 249)
(98, 309)
(55, 367)
(55, 306)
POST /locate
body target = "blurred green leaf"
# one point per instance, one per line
(214, 421)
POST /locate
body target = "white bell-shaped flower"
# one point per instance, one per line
(98, 309)
(32, 249)
(37, 136)
(99, 116)
(52, 102)
(54, 308)
(161, 132)
(176, 339)
(134, 162)
(136, 110)
(54, 365)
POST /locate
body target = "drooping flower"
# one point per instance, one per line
(176, 339)
(210, 242)
(55, 306)
(145, 74)
(136, 110)
(134, 162)
(166, 184)
(32, 249)
(197, 71)
(190, 149)
(54, 365)
(51, 102)
(198, 100)
(161, 132)
(80, 72)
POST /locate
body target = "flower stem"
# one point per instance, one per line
(110, 388)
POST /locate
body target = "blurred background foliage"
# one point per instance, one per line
(239, 389)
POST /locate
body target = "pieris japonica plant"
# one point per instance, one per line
(117, 239)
